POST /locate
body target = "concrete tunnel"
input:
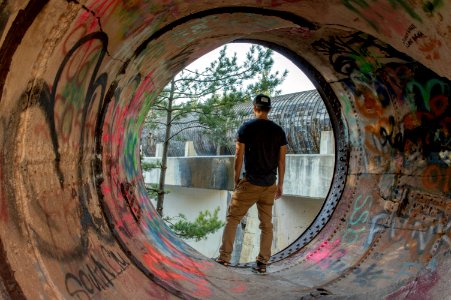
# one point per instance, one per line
(77, 79)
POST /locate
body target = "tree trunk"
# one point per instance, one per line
(164, 157)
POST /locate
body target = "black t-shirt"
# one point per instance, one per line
(262, 140)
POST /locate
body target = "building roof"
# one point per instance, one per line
(302, 115)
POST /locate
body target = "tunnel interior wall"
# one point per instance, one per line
(78, 79)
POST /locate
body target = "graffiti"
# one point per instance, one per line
(380, 85)
(418, 288)
(432, 6)
(358, 219)
(412, 35)
(367, 276)
(96, 275)
(66, 107)
(408, 269)
(383, 15)
(437, 178)
(385, 18)
(328, 256)
(416, 235)
(357, 52)
(179, 268)
(387, 135)
(130, 199)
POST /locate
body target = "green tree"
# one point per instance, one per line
(206, 99)
(204, 224)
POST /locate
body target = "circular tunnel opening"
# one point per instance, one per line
(303, 116)
(142, 211)
(78, 222)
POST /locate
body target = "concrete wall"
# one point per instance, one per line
(306, 175)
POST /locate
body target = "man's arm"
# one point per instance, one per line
(239, 155)
(281, 171)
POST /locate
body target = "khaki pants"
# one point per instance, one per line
(244, 196)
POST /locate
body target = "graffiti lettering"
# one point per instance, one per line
(376, 227)
(387, 135)
(437, 178)
(97, 275)
(132, 202)
(417, 235)
(357, 221)
(365, 277)
(412, 35)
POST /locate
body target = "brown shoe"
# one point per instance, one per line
(259, 267)
(222, 262)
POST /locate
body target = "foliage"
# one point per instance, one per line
(147, 166)
(205, 223)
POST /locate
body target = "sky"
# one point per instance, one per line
(296, 81)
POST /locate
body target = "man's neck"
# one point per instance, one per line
(261, 116)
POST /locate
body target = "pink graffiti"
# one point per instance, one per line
(144, 88)
(178, 268)
(386, 18)
(326, 254)
(417, 289)
(101, 9)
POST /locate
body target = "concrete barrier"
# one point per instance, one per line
(77, 79)
(307, 175)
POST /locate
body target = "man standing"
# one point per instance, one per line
(262, 144)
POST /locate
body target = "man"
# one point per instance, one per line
(262, 144)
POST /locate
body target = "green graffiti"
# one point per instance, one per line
(358, 5)
(425, 91)
(73, 93)
(431, 6)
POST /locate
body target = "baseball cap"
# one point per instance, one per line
(262, 101)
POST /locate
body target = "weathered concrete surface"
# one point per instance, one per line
(78, 77)
(307, 175)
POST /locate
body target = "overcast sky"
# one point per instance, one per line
(296, 81)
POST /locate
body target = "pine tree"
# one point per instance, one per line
(206, 99)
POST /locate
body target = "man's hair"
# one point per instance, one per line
(262, 109)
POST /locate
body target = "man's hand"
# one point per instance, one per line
(236, 184)
(279, 192)
(239, 156)
(281, 171)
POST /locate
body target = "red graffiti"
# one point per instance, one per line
(101, 9)
(417, 289)
(178, 268)
(437, 178)
(430, 46)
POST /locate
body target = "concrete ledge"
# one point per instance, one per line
(307, 175)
